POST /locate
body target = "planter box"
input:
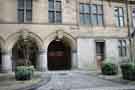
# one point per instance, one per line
(24, 72)
(109, 69)
(128, 71)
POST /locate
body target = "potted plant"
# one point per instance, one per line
(128, 71)
(109, 67)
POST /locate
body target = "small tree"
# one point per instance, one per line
(25, 50)
(23, 46)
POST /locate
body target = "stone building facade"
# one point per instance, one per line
(92, 36)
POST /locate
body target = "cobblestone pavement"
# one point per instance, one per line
(81, 81)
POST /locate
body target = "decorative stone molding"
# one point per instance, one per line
(24, 33)
(42, 51)
(3, 52)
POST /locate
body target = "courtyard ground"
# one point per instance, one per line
(83, 80)
(68, 80)
(8, 82)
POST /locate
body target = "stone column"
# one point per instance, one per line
(6, 61)
(42, 60)
(74, 59)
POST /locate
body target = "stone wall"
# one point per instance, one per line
(81, 37)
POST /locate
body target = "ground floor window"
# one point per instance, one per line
(122, 48)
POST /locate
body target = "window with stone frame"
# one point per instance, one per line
(55, 11)
(119, 16)
(85, 14)
(91, 14)
(24, 11)
(122, 48)
(97, 14)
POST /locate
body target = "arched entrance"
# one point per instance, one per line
(25, 52)
(59, 55)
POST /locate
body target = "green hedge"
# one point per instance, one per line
(128, 71)
(109, 69)
(24, 72)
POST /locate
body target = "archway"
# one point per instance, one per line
(59, 55)
(25, 52)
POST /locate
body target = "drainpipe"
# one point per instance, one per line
(129, 32)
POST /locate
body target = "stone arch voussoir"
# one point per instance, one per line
(12, 39)
(68, 38)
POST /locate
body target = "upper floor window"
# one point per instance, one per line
(122, 48)
(119, 16)
(91, 14)
(85, 14)
(55, 12)
(24, 11)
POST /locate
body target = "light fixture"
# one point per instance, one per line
(57, 39)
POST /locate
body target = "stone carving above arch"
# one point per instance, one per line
(12, 39)
(61, 34)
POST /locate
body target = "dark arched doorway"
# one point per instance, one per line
(59, 55)
(25, 52)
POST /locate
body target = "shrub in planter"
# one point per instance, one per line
(109, 68)
(128, 71)
(24, 72)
